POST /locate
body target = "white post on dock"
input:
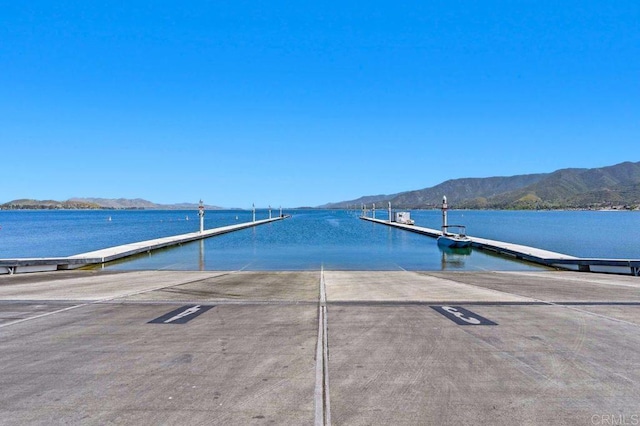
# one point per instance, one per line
(373, 211)
(364, 211)
(280, 211)
(444, 214)
(269, 211)
(253, 206)
(201, 214)
(389, 211)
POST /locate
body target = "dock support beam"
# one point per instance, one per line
(444, 214)
(201, 214)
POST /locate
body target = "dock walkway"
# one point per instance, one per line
(532, 254)
(42, 264)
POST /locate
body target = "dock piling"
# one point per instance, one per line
(201, 215)
(444, 214)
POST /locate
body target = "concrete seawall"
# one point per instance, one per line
(23, 265)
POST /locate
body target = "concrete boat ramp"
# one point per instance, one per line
(319, 347)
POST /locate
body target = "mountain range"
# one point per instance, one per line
(616, 186)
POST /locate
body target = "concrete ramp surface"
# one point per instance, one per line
(406, 348)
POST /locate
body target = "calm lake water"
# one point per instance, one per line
(316, 238)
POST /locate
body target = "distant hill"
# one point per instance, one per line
(369, 199)
(120, 203)
(97, 203)
(615, 186)
(47, 205)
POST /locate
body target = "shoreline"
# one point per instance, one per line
(577, 209)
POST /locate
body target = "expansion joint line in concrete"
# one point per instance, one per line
(322, 407)
(46, 314)
(105, 300)
(583, 311)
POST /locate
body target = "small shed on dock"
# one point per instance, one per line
(404, 217)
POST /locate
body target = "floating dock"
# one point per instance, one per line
(532, 254)
(22, 265)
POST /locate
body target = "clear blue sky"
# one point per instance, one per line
(298, 103)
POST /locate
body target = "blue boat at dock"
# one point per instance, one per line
(450, 239)
(454, 239)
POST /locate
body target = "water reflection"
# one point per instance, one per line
(454, 258)
(310, 240)
(201, 263)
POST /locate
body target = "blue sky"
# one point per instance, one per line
(303, 103)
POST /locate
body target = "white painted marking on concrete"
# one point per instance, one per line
(183, 314)
(460, 315)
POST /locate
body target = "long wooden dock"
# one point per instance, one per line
(41, 264)
(532, 254)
